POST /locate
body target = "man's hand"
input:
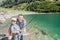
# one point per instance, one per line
(24, 30)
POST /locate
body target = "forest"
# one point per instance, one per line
(32, 5)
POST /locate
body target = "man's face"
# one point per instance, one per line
(20, 18)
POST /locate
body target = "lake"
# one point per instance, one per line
(50, 23)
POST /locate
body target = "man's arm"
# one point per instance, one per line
(24, 26)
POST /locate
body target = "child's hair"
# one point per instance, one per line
(13, 19)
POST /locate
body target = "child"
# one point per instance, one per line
(14, 30)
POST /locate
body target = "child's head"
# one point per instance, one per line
(14, 20)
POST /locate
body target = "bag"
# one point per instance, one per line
(5, 38)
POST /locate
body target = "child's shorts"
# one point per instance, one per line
(15, 36)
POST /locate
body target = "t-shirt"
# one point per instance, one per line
(15, 28)
(18, 23)
(23, 24)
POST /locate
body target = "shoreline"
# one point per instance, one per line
(39, 33)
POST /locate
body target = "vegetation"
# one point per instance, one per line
(38, 6)
(10, 3)
(43, 7)
(22, 6)
(32, 5)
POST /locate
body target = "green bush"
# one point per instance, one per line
(43, 7)
(34, 5)
(20, 6)
(53, 8)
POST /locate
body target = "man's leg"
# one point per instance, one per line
(21, 37)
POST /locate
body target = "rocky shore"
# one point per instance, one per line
(4, 15)
(35, 34)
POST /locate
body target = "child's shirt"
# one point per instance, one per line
(15, 28)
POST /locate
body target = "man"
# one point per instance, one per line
(21, 22)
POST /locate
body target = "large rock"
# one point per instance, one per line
(2, 12)
(2, 19)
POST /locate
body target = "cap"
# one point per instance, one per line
(14, 19)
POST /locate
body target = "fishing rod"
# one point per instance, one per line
(29, 23)
(31, 20)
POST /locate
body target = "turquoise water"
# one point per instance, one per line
(50, 23)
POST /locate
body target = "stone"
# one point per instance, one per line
(2, 12)
(2, 19)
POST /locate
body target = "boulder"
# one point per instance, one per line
(2, 19)
(2, 12)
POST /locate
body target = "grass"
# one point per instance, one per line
(4, 9)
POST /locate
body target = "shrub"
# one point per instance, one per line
(43, 7)
(20, 6)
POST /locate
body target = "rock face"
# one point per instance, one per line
(2, 19)
(10, 13)
(2, 12)
(6, 15)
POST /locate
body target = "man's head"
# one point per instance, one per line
(20, 17)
